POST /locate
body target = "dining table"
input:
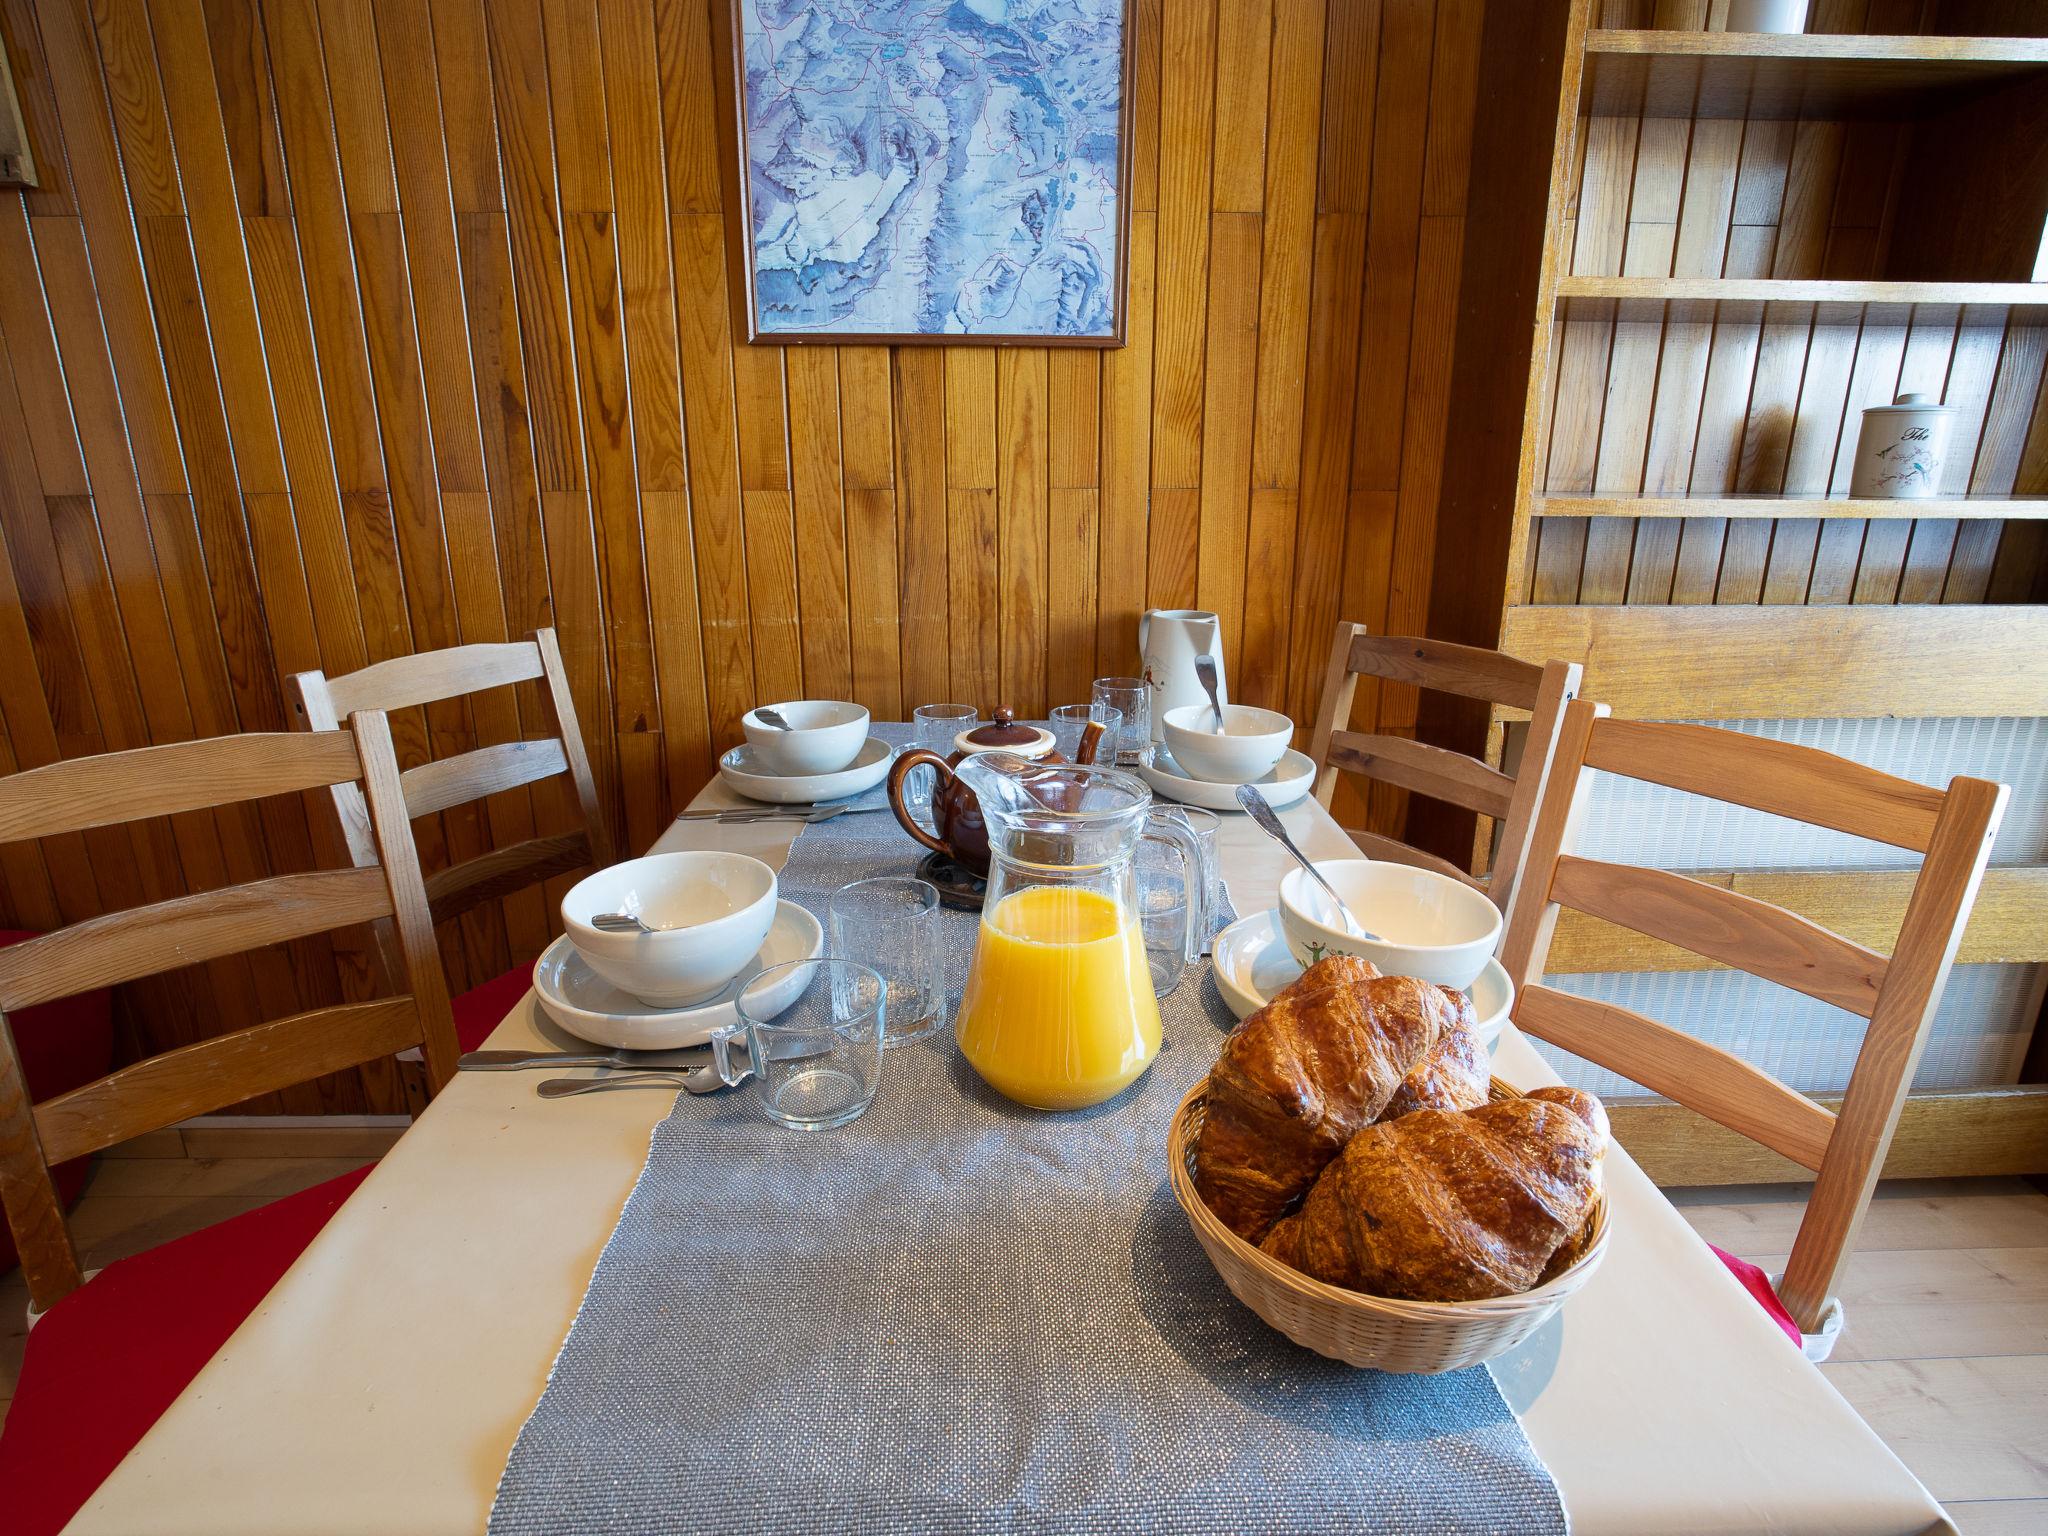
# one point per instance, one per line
(381, 1385)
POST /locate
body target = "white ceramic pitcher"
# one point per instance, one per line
(1169, 640)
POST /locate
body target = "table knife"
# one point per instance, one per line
(644, 1061)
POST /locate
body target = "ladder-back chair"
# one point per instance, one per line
(1437, 772)
(161, 1090)
(1952, 829)
(321, 702)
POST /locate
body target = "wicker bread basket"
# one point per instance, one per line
(1376, 1331)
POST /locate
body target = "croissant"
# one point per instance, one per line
(1452, 1206)
(1453, 1073)
(1295, 1080)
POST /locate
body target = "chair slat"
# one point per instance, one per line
(1777, 776)
(210, 1074)
(86, 792)
(141, 941)
(1956, 857)
(430, 676)
(1465, 670)
(451, 892)
(1387, 849)
(1418, 766)
(1668, 1061)
(450, 781)
(1724, 925)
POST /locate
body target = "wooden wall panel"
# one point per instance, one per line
(343, 328)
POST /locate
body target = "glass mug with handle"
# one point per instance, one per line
(810, 1034)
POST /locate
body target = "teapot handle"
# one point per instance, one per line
(1091, 743)
(898, 775)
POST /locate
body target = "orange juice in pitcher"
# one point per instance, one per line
(1059, 1012)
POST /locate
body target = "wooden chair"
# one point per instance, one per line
(320, 703)
(1845, 1149)
(102, 951)
(1439, 772)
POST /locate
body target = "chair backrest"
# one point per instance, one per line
(321, 702)
(1489, 676)
(1845, 1149)
(102, 951)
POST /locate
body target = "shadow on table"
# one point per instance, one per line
(1225, 1342)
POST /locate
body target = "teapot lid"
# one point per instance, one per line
(1004, 734)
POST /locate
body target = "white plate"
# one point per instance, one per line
(1252, 963)
(591, 1008)
(743, 774)
(1292, 777)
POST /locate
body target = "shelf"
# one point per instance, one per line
(1791, 506)
(1749, 661)
(1786, 300)
(1757, 75)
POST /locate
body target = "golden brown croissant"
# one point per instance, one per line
(1296, 1079)
(1447, 1206)
(1453, 1074)
(1330, 971)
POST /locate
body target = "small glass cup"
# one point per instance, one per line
(1070, 721)
(892, 924)
(1163, 890)
(818, 1057)
(1204, 825)
(1131, 697)
(935, 727)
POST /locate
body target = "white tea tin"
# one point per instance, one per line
(1902, 449)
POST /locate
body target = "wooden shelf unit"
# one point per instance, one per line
(1791, 506)
(1652, 73)
(1707, 254)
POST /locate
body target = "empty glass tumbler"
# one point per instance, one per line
(817, 1059)
(1070, 721)
(1131, 698)
(934, 726)
(891, 923)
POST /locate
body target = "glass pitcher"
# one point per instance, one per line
(1059, 1011)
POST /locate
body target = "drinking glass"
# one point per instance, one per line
(1132, 698)
(891, 923)
(936, 726)
(818, 1059)
(1070, 721)
(1204, 825)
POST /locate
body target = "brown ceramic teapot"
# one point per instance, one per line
(962, 836)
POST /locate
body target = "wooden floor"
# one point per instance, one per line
(1945, 1352)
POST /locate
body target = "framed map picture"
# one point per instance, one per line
(929, 170)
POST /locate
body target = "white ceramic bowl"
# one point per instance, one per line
(1430, 925)
(712, 911)
(1252, 741)
(825, 736)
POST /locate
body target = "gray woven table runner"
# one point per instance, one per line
(955, 1314)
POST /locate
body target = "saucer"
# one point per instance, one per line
(958, 886)
(1252, 963)
(744, 774)
(591, 1008)
(1291, 778)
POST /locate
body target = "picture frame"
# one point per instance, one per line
(743, 279)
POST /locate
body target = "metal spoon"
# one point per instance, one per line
(1205, 670)
(620, 922)
(1256, 806)
(695, 1080)
(768, 716)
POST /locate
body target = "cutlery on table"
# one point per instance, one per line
(698, 1080)
(809, 814)
(634, 1061)
(1256, 807)
(701, 1078)
(1205, 671)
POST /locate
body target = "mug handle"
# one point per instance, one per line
(722, 1039)
(917, 758)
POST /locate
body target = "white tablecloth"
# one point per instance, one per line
(379, 1387)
